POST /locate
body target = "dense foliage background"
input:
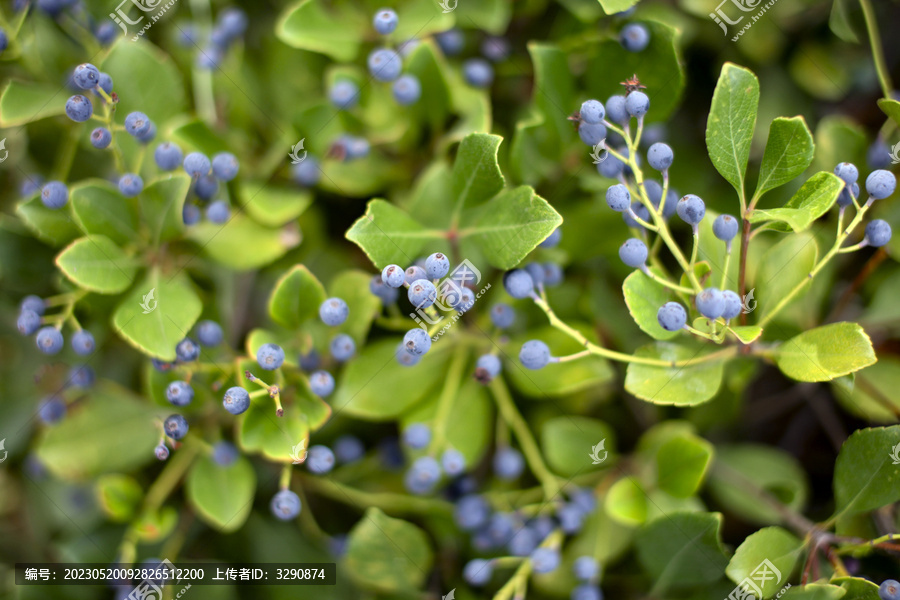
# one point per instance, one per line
(781, 449)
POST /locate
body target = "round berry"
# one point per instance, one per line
(28, 322)
(654, 192)
(464, 301)
(725, 227)
(495, 48)
(179, 393)
(453, 462)
(417, 436)
(710, 303)
(176, 427)
(545, 560)
(147, 136)
(49, 340)
(407, 90)
(393, 276)
(285, 505)
(406, 358)
(612, 167)
(878, 155)
(205, 187)
(848, 172)
(592, 111)
(733, 306)
(437, 265)
(83, 342)
(348, 448)
(660, 156)
(487, 367)
(639, 210)
(421, 293)
(167, 156)
(307, 173)
(615, 110)
(385, 21)
(387, 295)
(878, 233)
(54, 195)
(106, 32)
(320, 459)
(131, 185)
(671, 316)
(161, 452)
(190, 214)
(552, 240)
(225, 166)
(81, 376)
(209, 333)
(845, 198)
(478, 571)
(344, 94)
(225, 453)
(384, 64)
(342, 347)
(585, 568)
(187, 350)
(218, 212)
(586, 591)
(137, 124)
(321, 383)
(423, 475)
(518, 283)
(618, 197)
(101, 138)
(508, 463)
(633, 253)
(591, 134)
(232, 22)
(691, 209)
(52, 410)
(196, 164)
(534, 354)
(414, 273)
(334, 311)
(478, 72)
(33, 303)
(880, 184)
(502, 316)
(270, 357)
(637, 104)
(86, 76)
(450, 41)
(471, 512)
(236, 400)
(889, 590)
(634, 37)
(417, 342)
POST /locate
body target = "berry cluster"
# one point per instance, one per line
(211, 49)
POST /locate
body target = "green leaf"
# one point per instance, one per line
(568, 442)
(866, 475)
(241, 243)
(296, 297)
(857, 588)
(271, 205)
(564, 378)
(780, 548)
(612, 7)
(510, 226)
(681, 465)
(53, 226)
(839, 139)
(487, 15)
(826, 352)
(783, 267)
(682, 549)
(873, 396)
(100, 208)
(353, 288)
(644, 297)
(427, 63)
(311, 25)
(810, 202)
(839, 21)
(95, 263)
(162, 204)
(24, 102)
(891, 108)
(746, 333)
(554, 93)
(145, 79)
(112, 430)
(386, 555)
(476, 174)
(174, 310)
(155, 525)
(119, 496)
(814, 591)
(221, 496)
(732, 118)
(789, 150)
(262, 431)
(196, 134)
(388, 235)
(626, 502)
(681, 386)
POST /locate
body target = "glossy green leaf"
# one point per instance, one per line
(197, 135)
(891, 108)
(780, 548)
(789, 150)
(554, 95)
(95, 263)
(388, 235)
(313, 25)
(873, 395)
(427, 63)
(732, 119)
(612, 7)
(783, 267)
(162, 205)
(157, 314)
(145, 79)
(814, 591)
(258, 245)
(222, 496)
(100, 208)
(839, 20)
(24, 102)
(353, 288)
(811, 201)
(296, 297)
(53, 226)
(867, 470)
(387, 555)
(273, 206)
(626, 502)
(644, 297)
(476, 175)
(119, 496)
(826, 352)
(262, 431)
(681, 465)
(681, 386)
(568, 444)
(746, 333)
(682, 549)
(857, 588)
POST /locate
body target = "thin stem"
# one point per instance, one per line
(696, 247)
(725, 269)
(853, 248)
(284, 481)
(742, 267)
(397, 504)
(452, 383)
(203, 81)
(665, 282)
(576, 356)
(884, 77)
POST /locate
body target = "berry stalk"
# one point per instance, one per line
(448, 396)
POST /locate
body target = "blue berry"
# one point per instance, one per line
(879, 155)
(848, 172)
(478, 572)
(584, 500)
(131, 185)
(453, 462)
(710, 303)
(733, 306)
(691, 209)
(211, 56)
(334, 311)
(81, 376)
(79, 108)
(167, 156)
(179, 393)
(845, 199)
(654, 192)
(537, 273)
(83, 342)
(591, 134)
(585, 568)
(348, 448)
(553, 239)
(4, 39)
(31, 185)
(421, 293)
(176, 427)
(406, 358)
(471, 512)
(534, 354)
(487, 368)
(880, 184)
(321, 383)
(285, 505)
(137, 124)
(307, 172)
(28, 322)
(671, 316)
(342, 347)
(106, 33)
(209, 333)
(637, 104)
(660, 156)
(344, 94)
(672, 197)
(190, 214)
(553, 274)
(633, 253)
(225, 166)
(639, 210)
(320, 459)
(634, 37)
(653, 134)
(187, 350)
(502, 316)
(101, 138)
(545, 560)
(218, 212)
(270, 356)
(592, 112)
(385, 21)
(225, 453)
(49, 340)
(889, 590)
(232, 22)
(478, 72)
(393, 276)
(518, 283)
(423, 475)
(615, 110)
(161, 452)
(387, 295)
(407, 90)
(450, 41)
(618, 197)
(105, 83)
(309, 361)
(878, 233)
(417, 436)
(414, 273)
(523, 542)
(417, 342)
(86, 76)
(437, 265)
(52, 410)
(586, 591)
(508, 463)
(384, 64)
(161, 366)
(495, 48)
(612, 167)
(147, 136)
(34, 303)
(236, 400)
(355, 147)
(205, 187)
(725, 227)
(465, 301)
(196, 164)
